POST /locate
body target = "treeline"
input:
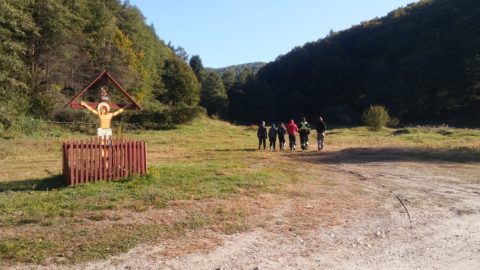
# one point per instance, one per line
(237, 69)
(421, 62)
(50, 49)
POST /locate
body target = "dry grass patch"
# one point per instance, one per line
(204, 179)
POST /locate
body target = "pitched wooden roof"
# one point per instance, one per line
(104, 74)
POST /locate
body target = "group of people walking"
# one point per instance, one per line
(292, 130)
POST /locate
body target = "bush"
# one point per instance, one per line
(393, 122)
(375, 117)
(157, 116)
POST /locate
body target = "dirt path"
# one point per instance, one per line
(360, 214)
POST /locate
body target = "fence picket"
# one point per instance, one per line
(109, 158)
(102, 159)
(115, 159)
(75, 162)
(134, 157)
(122, 158)
(94, 154)
(144, 155)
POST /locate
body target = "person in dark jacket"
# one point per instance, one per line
(292, 131)
(304, 131)
(321, 127)
(281, 131)
(272, 137)
(262, 135)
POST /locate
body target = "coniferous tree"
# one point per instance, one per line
(213, 95)
(197, 67)
(180, 82)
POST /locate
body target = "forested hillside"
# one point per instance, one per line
(50, 49)
(237, 69)
(422, 62)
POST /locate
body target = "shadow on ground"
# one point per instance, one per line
(52, 182)
(391, 154)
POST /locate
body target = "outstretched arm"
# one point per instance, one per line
(121, 110)
(88, 108)
(118, 112)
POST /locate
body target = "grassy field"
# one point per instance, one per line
(200, 177)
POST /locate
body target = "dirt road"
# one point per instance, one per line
(354, 211)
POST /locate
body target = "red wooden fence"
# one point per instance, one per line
(102, 159)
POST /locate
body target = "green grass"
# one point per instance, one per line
(199, 162)
(186, 164)
(172, 181)
(27, 250)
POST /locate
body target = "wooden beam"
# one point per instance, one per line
(119, 87)
(76, 105)
(86, 88)
(114, 106)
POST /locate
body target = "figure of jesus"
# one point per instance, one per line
(104, 117)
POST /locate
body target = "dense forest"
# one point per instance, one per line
(237, 69)
(421, 62)
(51, 49)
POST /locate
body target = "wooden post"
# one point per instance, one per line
(122, 158)
(135, 157)
(125, 159)
(63, 162)
(96, 159)
(114, 158)
(144, 158)
(100, 158)
(90, 163)
(71, 163)
(110, 158)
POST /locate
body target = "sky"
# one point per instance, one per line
(230, 32)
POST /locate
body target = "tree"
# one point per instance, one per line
(375, 117)
(214, 96)
(181, 52)
(180, 83)
(16, 25)
(197, 67)
(420, 61)
(228, 78)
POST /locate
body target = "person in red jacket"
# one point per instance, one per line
(292, 131)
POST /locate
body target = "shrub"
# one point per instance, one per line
(393, 122)
(375, 117)
(157, 116)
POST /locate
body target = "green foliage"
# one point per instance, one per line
(158, 116)
(420, 61)
(181, 84)
(229, 80)
(238, 69)
(16, 26)
(213, 95)
(51, 49)
(375, 117)
(197, 66)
